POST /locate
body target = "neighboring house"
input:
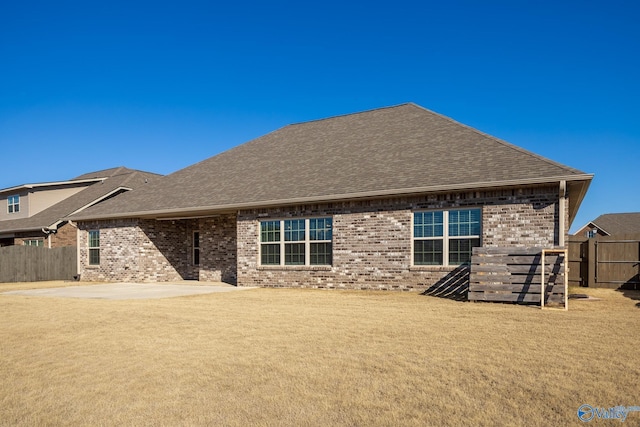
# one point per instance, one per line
(613, 224)
(34, 214)
(393, 198)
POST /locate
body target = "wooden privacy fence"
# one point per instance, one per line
(515, 275)
(35, 263)
(605, 261)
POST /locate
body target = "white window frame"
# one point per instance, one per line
(282, 242)
(33, 242)
(445, 235)
(13, 204)
(93, 248)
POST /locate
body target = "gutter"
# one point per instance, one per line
(331, 198)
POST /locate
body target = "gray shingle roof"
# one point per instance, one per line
(395, 150)
(115, 178)
(619, 223)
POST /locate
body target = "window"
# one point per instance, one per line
(296, 242)
(592, 233)
(33, 242)
(94, 247)
(445, 237)
(196, 248)
(13, 204)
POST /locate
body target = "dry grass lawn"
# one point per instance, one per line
(305, 357)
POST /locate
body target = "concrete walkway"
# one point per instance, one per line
(125, 291)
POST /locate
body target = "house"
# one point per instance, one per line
(35, 213)
(392, 198)
(613, 224)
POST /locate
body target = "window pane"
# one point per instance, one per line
(94, 256)
(270, 231)
(464, 222)
(320, 254)
(427, 252)
(294, 254)
(427, 224)
(94, 239)
(94, 247)
(13, 204)
(320, 229)
(270, 254)
(294, 230)
(460, 250)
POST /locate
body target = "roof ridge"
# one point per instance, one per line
(350, 114)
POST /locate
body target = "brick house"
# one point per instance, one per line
(35, 213)
(392, 198)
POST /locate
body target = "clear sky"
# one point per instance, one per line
(160, 85)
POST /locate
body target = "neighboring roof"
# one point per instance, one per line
(108, 183)
(120, 170)
(617, 223)
(48, 184)
(404, 149)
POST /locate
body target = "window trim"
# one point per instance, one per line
(93, 248)
(13, 204)
(445, 238)
(282, 243)
(29, 242)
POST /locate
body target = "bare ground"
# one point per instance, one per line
(307, 357)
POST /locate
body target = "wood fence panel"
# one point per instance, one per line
(35, 263)
(605, 261)
(578, 260)
(617, 261)
(514, 275)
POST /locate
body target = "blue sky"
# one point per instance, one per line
(158, 86)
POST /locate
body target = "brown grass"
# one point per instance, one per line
(305, 357)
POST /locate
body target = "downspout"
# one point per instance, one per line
(48, 232)
(78, 273)
(562, 200)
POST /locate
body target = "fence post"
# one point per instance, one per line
(591, 256)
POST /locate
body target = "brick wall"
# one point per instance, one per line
(20, 238)
(218, 249)
(372, 239)
(371, 242)
(136, 250)
(65, 236)
(122, 248)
